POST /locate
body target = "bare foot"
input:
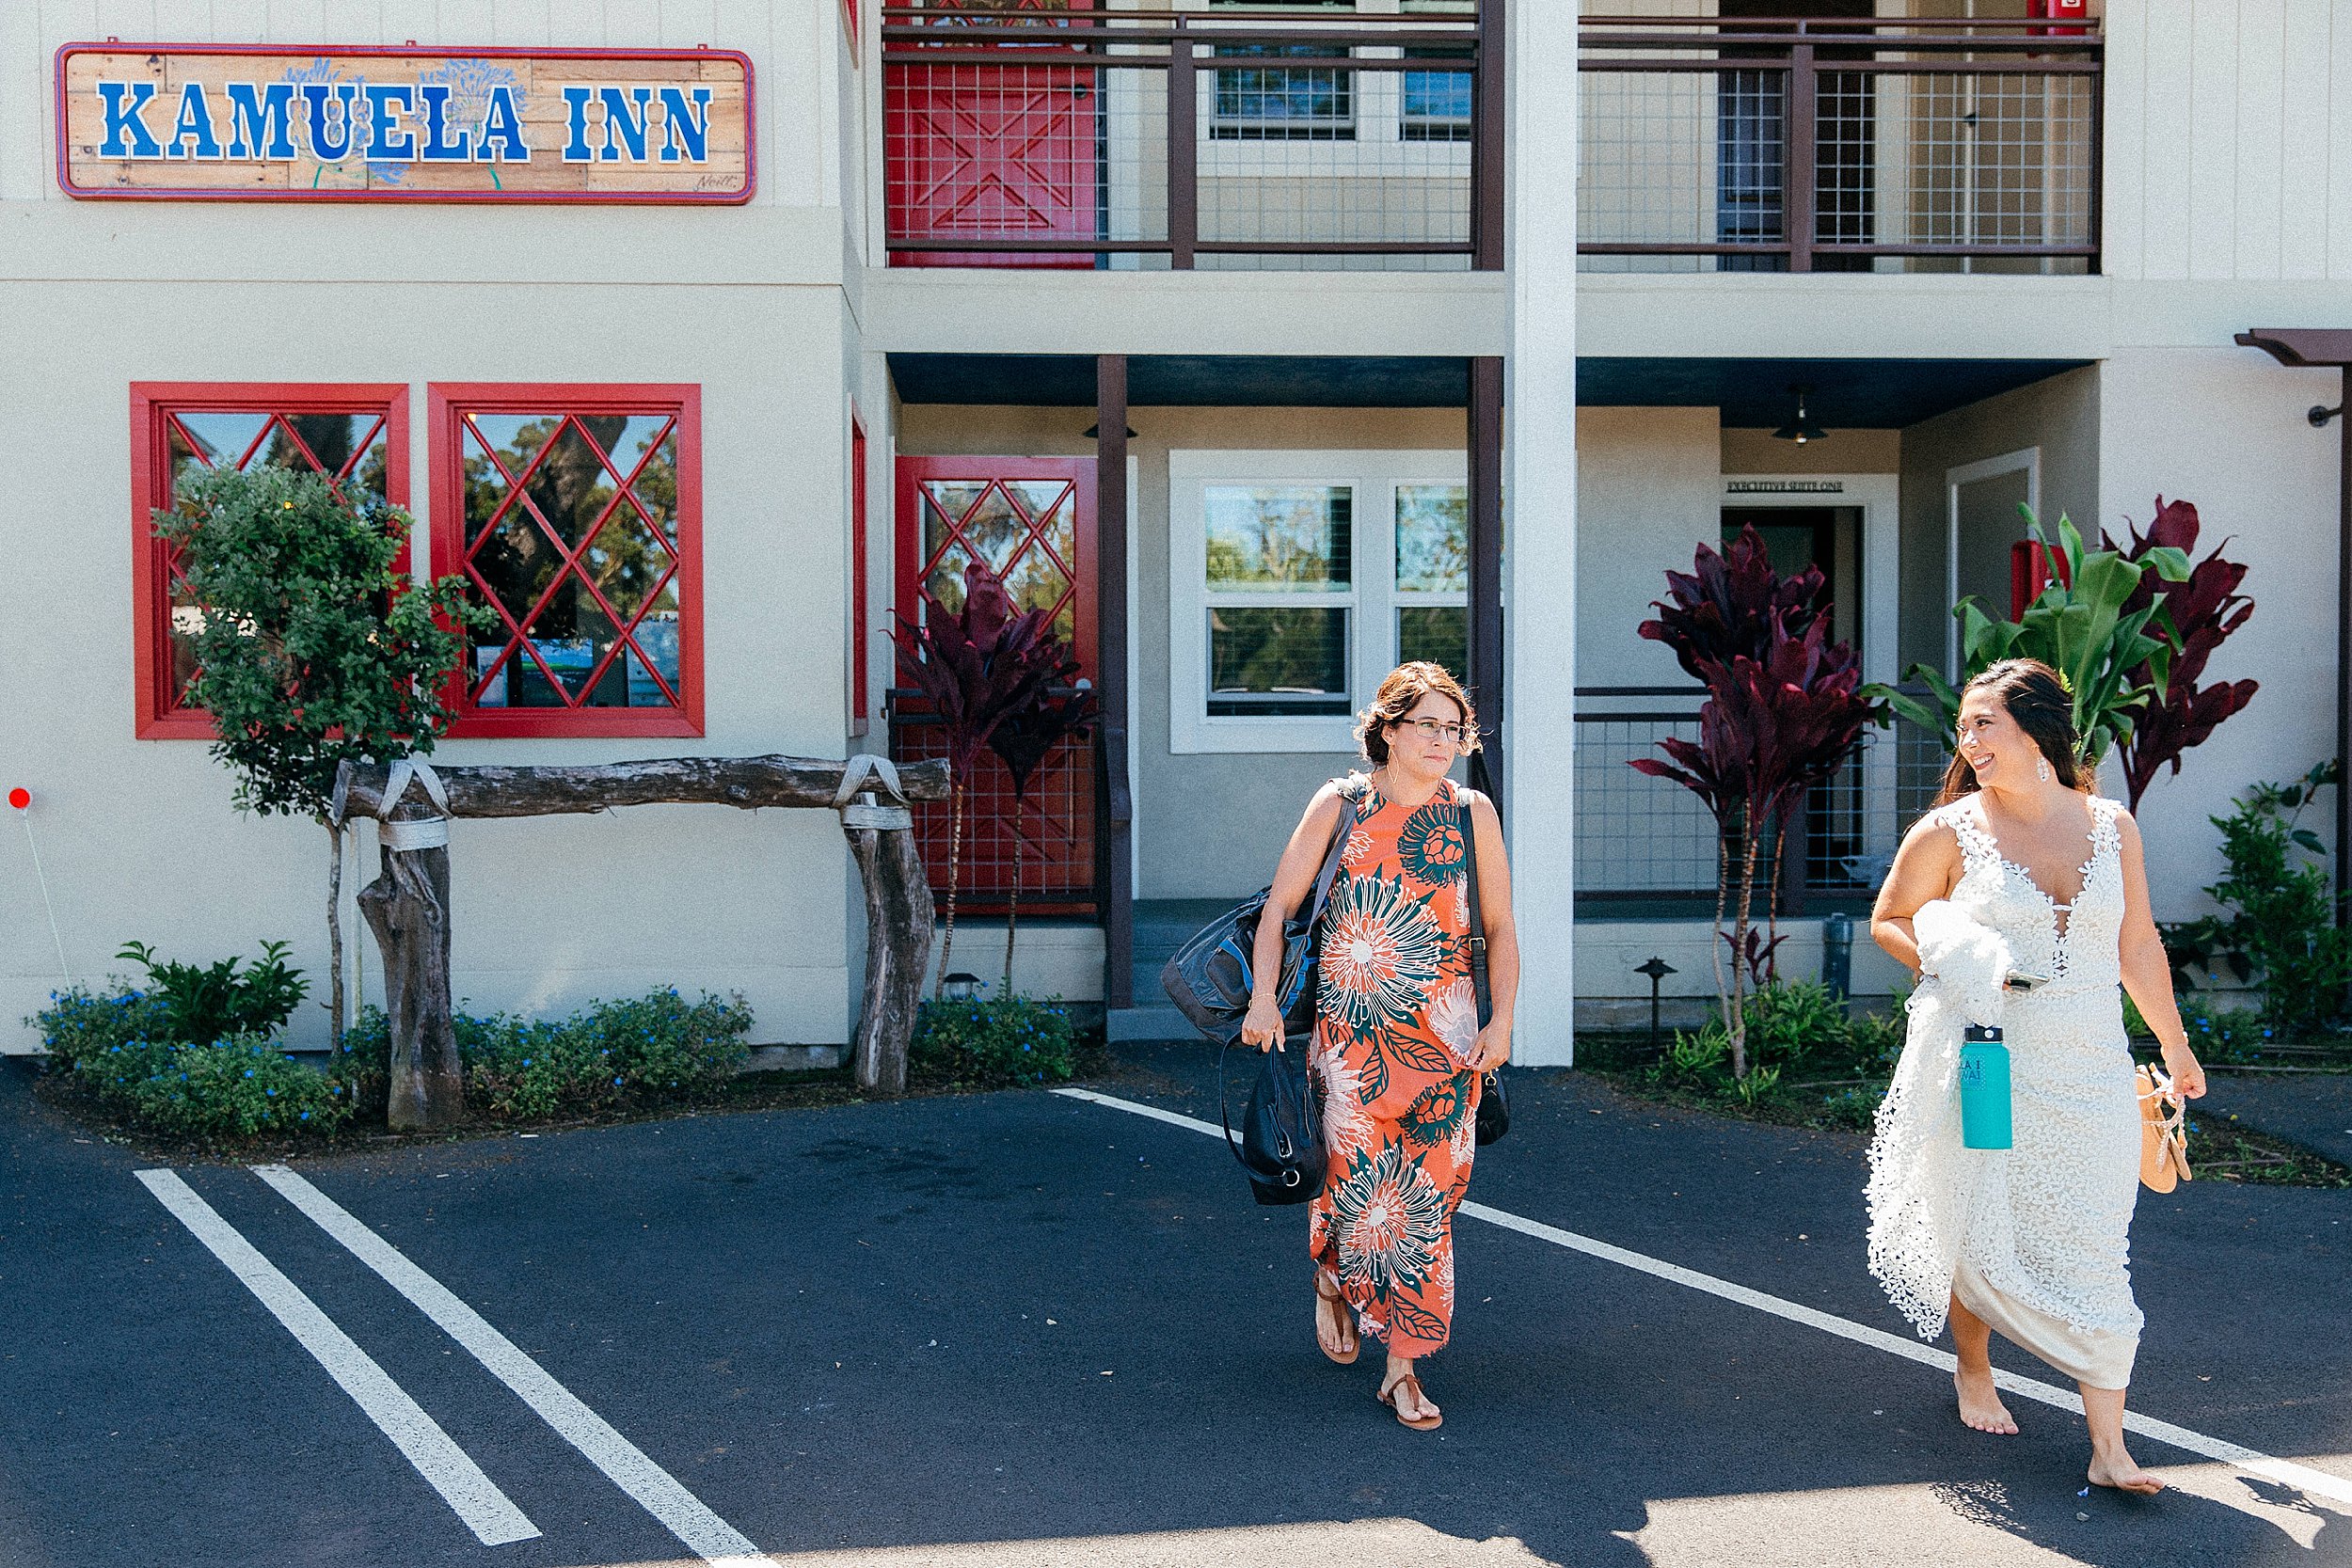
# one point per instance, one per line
(1980, 1405)
(2123, 1473)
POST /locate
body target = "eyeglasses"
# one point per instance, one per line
(1430, 729)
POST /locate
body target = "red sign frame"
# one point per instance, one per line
(409, 51)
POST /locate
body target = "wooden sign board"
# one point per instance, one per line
(243, 122)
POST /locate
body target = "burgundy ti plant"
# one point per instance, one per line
(2203, 610)
(979, 667)
(1785, 708)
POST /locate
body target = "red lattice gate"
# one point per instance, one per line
(994, 150)
(1031, 520)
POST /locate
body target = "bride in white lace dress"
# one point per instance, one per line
(2020, 872)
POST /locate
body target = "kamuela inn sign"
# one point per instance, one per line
(243, 122)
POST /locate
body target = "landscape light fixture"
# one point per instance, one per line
(1800, 429)
(960, 987)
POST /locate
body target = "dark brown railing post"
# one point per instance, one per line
(1184, 152)
(1112, 878)
(1798, 154)
(1486, 131)
(1485, 566)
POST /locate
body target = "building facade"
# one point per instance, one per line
(1263, 346)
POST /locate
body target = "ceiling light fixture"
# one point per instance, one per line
(1800, 429)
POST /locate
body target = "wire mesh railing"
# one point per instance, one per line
(1643, 838)
(1754, 145)
(1025, 133)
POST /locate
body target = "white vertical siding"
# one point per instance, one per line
(2306, 104)
(2261, 117)
(2228, 154)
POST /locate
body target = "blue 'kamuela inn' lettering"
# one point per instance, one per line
(261, 121)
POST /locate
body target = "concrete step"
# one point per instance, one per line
(1159, 1023)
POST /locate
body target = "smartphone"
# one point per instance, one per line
(2020, 980)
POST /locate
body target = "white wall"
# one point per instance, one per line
(139, 837)
(2229, 143)
(2224, 428)
(2060, 416)
(1648, 491)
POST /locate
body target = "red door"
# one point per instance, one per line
(995, 150)
(1031, 520)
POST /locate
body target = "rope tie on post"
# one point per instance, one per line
(423, 833)
(866, 812)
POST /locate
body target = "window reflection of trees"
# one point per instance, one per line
(520, 558)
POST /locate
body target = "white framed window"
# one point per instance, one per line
(1297, 580)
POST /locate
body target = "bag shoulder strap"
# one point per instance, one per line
(1468, 828)
(1332, 857)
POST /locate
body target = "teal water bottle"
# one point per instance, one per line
(1983, 1089)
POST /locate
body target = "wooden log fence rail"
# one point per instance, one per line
(406, 907)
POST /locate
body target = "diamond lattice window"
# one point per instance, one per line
(572, 514)
(357, 436)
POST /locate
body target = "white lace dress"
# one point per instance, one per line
(2033, 1239)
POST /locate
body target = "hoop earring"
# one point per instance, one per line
(2041, 767)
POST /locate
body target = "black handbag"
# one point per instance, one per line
(1209, 979)
(1282, 1132)
(1494, 1105)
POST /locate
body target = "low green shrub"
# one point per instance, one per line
(1801, 1043)
(120, 1049)
(212, 1002)
(610, 1055)
(995, 1043)
(2231, 1037)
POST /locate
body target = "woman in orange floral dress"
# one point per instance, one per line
(1398, 1050)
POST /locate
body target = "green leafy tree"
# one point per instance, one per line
(2115, 659)
(312, 650)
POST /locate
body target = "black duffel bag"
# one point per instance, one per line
(1210, 977)
(1281, 1146)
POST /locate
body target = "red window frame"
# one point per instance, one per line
(860, 654)
(158, 713)
(449, 404)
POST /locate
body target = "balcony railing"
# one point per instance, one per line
(1190, 140)
(1835, 146)
(1650, 841)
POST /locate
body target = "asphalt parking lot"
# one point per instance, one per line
(1038, 1328)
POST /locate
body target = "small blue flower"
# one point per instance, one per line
(616, 1083)
(306, 1115)
(249, 1072)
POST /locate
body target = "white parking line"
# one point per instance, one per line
(2318, 1483)
(486, 1510)
(627, 1466)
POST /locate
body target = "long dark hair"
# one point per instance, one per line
(2031, 692)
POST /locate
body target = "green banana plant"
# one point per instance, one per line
(2078, 625)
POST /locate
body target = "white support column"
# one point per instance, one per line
(1539, 528)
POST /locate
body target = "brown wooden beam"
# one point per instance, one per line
(1487, 160)
(1115, 839)
(749, 783)
(1485, 568)
(1184, 170)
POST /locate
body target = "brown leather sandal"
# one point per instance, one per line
(1351, 1341)
(1387, 1396)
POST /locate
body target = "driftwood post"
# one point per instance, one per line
(408, 908)
(870, 795)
